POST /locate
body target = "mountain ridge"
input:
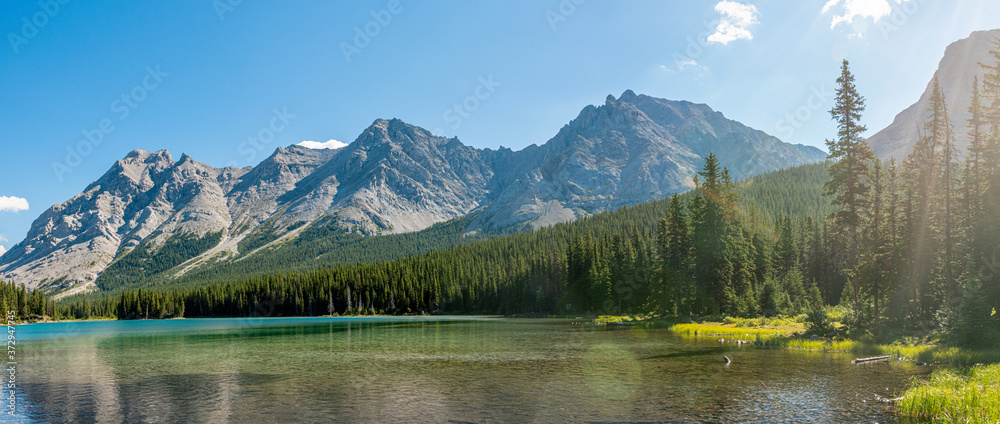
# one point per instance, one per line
(393, 178)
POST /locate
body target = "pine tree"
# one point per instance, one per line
(933, 172)
(974, 176)
(675, 245)
(710, 233)
(876, 279)
(949, 237)
(851, 154)
(786, 249)
(350, 306)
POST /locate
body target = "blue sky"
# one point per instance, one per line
(227, 81)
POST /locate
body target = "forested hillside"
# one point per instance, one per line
(795, 191)
(320, 244)
(605, 263)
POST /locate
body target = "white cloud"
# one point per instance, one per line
(2, 250)
(687, 64)
(13, 204)
(734, 22)
(874, 9)
(330, 144)
(682, 64)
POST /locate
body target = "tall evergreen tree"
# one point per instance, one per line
(851, 154)
(713, 269)
(949, 235)
(975, 162)
(923, 169)
(674, 242)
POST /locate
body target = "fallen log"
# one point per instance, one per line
(872, 359)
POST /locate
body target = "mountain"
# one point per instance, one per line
(152, 216)
(955, 73)
(630, 150)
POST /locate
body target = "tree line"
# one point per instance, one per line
(606, 263)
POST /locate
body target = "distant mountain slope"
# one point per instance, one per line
(150, 217)
(795, 192)
(955, 74)
(628, 151)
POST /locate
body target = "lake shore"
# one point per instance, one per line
(791, 336)
(965, 389)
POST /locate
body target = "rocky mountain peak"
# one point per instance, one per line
(394, 178)
(958, 67)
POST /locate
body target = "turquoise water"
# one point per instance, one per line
(461, 369)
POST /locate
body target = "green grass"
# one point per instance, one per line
(729, 332)
(820, 345)
(780, 333)
(607, 319)
(941, 354)
(779, 321)
(969, 396)
(972, 396)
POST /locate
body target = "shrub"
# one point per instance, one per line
(817, 322)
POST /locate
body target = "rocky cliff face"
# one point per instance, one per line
(630, 150)
(143, 196)
(393, 178)
(955, 74)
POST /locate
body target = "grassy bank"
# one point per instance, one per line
(786, 333)
(732, 332)
(970, 396)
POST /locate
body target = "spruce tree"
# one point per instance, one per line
(924, 172)
(713, 269)
(975, 166)
(949, 236)
(851, 154)
(674, 242)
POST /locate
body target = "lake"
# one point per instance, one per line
(428, 369)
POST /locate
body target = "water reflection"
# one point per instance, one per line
(429, 370)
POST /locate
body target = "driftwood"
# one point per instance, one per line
(872, 359)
